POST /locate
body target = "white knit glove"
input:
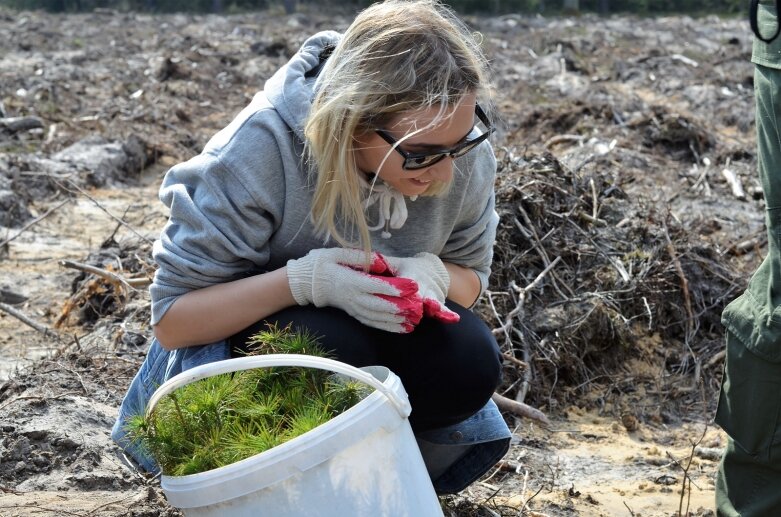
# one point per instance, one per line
(428, 271)
(335, 277)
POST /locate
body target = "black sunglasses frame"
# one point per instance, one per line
(410, 158)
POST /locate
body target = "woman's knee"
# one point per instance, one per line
(479, 346)
(474, 360)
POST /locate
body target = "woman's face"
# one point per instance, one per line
(375, 156)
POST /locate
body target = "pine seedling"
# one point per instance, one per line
(274, 340)
(305, 419)
(246, 441)
(342, 394)
(229, 417)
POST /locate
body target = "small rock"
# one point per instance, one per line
(630, 422)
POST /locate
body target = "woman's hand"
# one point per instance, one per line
(433, 280)
(336, 277)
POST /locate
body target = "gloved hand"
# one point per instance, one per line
(335, 277)
(433, 280)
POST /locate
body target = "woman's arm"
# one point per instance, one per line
(464, 284)
(468, 253)
(216, 312)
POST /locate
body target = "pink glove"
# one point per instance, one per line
(428, 271)
(335, 277)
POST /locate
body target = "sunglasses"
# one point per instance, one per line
(415, 161)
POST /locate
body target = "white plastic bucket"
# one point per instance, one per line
(363, 462)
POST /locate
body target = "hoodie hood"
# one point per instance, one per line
(291, 89)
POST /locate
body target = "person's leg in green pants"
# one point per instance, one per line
(749, 477)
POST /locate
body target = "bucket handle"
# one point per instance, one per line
(401, 404)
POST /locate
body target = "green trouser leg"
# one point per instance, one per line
(749, 477)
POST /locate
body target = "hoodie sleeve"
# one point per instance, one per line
(217, 229)
(472, 240)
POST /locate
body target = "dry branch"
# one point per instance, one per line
(734, 183)
(563, 138)
(130, 283)
(28, 225)
(27, 321)
(520, 409)
(512, 359)
(716, 358)
(104, 209)
(684, 284)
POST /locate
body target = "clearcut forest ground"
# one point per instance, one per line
(630, 215)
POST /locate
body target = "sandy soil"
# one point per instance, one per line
(660, 108)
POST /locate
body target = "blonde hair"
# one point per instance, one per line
(396, 56)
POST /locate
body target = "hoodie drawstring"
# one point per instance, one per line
(391, 210)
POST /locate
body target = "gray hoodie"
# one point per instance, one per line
(243, 204)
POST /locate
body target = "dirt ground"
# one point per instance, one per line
(630, 214)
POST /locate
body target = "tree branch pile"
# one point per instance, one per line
(582, 274)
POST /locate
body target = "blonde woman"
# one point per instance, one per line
(353, 198)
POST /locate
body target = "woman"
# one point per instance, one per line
(353, 198)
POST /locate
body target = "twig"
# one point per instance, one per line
(59, 511)
(509, 466)
(527, 373)
(62, 348)
(537, 243)
(630, 510)
(590, 219)
(650, 315)
(684, 284)
(685, 60)
(92, 512)
(32, 223)
(520, 409)
(529, 500)
(122, 359)
(539, 277)
(130, 283)
(517, 362)
(695, 382)
(508, 321)
(595, 203)
(734, 182)
(24, 319)
(702, 178)
(78, 376)
(716, 358)
(39, 397)
(508, 324)
(747, 243)
(562, 138)
(523, 490)
(686, 469)
(117, 219)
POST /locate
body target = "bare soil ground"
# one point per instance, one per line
(630, 215)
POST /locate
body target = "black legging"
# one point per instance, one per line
(448, 370)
